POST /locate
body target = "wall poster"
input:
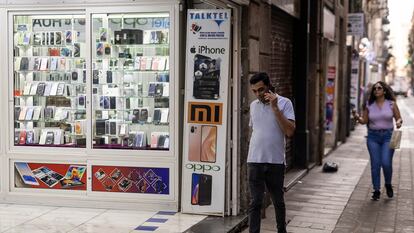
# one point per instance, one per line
(50, 176)
(330, 98)
(130, 179)
(206, 96)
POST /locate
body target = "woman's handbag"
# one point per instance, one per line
(395, 139)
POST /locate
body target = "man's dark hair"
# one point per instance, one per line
(262, 76)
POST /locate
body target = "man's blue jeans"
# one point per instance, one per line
(272, 176)
(378, 142)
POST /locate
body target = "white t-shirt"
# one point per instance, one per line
(267, 143)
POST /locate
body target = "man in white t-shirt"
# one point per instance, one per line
(272, 118)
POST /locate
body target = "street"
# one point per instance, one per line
(341, 202)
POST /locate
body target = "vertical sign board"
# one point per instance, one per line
(330, 97)
(354, 83)
(206, 97)
(355, 24)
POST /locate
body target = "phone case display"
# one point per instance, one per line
(50, 80)
(130, 179)
(130, 81)
(50, 176)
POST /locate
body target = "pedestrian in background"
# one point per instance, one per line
(381, 108)
(271, 118)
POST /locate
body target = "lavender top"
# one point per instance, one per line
(380, 117)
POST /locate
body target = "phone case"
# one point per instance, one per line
(40, 89)
(36, 113)
(52, 38)
(161, 140)
(159, 87)
(60, 89)
(154, 140)
(205, 188)
(99, 49)
(68, 36)
(76, 51)
(95, 77)
(151, 89)
(58, 38)
(49, 112)
(49, 138)
(208, 143)
(17, 112)
(100, 127)
(30, 137)
(74, 76)
(107, 49)
(104, 102)
(22, 137)
(22, 114)
(135, 116)
(112, 102)
(143, 116)
(157, 116)
(29, 113)
(108, 76)
(33, 89)
(24, 63)
(16, 137)
(194, 151)
(81, 101)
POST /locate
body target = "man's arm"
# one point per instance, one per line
(288, 126)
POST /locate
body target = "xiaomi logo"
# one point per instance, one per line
(205, 113)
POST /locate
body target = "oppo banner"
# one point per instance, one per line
(206, 96)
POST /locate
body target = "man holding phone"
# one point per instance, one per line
(272, 118)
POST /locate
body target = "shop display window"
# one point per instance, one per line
(49, 86)
(130, 81)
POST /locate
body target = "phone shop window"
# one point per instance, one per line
(49, 80)
(130, 81)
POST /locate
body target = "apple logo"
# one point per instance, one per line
(193, 49)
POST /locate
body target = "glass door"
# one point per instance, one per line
(49, 80)
(130, 81)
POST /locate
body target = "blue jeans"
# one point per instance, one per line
(272, 176)
(378, 142)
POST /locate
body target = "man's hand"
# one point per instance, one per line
(272, 98)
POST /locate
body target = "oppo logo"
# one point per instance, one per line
(202, 167)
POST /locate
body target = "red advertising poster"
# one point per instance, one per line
(50, 176)
(130, 179)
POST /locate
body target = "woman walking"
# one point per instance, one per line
(381, 108)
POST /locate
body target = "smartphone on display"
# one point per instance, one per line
(26, 173)
(195, 185)
(208, 143)
(194, 151)
(205, 188)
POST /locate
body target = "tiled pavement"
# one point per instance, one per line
(49, 219)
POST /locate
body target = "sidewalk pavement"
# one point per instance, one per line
(341, 202)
